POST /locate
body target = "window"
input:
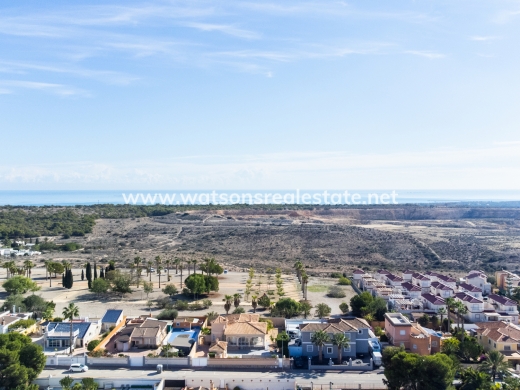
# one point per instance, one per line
(507, 348)
(414, 346)
(310, 348)
(54, 343)
(360, 331)
(489, 342)
(329, 350)
(402, 332)
(434, 343)
(477, 316)
(495, 345)
(346, 349)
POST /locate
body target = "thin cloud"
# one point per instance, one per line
(426, 54)
(480, 38)
(225, 29)
(55, 89)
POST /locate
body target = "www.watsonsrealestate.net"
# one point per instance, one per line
(258, 198)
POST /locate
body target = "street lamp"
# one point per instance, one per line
(312, 385)
(330, 385)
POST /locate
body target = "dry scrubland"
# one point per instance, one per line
(453, 239)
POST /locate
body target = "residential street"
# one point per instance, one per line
(319, 379)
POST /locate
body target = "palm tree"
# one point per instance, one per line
(450, 302)
(158, 261)
(463, 311)
(298, 266)
(188, 266)
(227, 305)
(159, 270)
(457, 307)
(236, 299)
(341, 341)
(168, 262)
(442, 313)
(28, 265)
(149, 269)
(495, 363)
(177, 262)
(138, 269)
(305, 281)
(194, 261)
(254, 302)
(319, 339)
(180, 269)
(69, 313)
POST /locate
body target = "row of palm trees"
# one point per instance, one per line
(12, 269)
(320, 338)
(302, 276)
(456, 307)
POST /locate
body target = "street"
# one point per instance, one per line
(316, 379)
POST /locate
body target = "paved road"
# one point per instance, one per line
(320, 379)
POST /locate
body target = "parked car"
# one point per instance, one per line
(77, 367)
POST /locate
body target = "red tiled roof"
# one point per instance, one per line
(469, 287)
(410, 287)
(433, 299)
(467, 298)
(502, 300)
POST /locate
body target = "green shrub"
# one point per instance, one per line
(92, 345)
(168, 314)
(336, 292)
(344, 281)
(22, 324)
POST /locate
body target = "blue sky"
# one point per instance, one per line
(260, 94)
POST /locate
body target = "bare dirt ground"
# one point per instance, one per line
(324, 240)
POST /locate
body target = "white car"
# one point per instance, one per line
(77, 367)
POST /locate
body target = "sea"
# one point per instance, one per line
(316, 197)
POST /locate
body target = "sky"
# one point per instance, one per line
(260, 94)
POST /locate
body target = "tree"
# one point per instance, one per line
(254, 302)
(239, 310)
(19, 285)
(196, 283)
(236, 299)
(359, 302)
(227, 303)
(66, 382)
(88, 274)
(89, 384)
(32, 357)
(82, 275)
(450, 346)
(343, 306)
(212, 315)
(170, 290)
(319, 339)
(341, 341)
(474, 380)
(68, 280)
(287, 307)
(100, 286)
(305, 308)
(410, 371)
(450, 302)
(322, 310)
(147, 288)
(495, 363)
(69, 313)
(95, 271)
(442, 313)
(424, 320)
(264, 301)
(120, 282)
(282, 342)
(469, 349)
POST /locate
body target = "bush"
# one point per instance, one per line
(207, 303)
(239, 310)
(164, 303)
(168, 314)
(378, 331)
(92, 345)
(384, 338)
(181, 305)
(100, 352)
(343, 306)
(336, 292)
(336, 275)
(344, 281)
(22, 324)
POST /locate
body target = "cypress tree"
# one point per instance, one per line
(95, 271)
(63, 280)
(69, 279)
(89, 284)
(102, 274)
(89, 272)
(82, 275)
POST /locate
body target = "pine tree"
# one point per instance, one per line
(95, 271)
(82, 275)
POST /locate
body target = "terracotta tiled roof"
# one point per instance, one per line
(239, 328)
(218, 347)
(499, 331)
